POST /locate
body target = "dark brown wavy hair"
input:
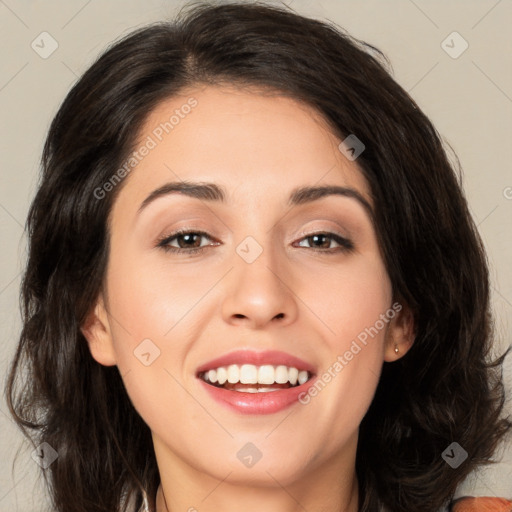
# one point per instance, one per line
(447, 388)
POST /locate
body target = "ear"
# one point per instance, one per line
(400, 333)
(96, 330)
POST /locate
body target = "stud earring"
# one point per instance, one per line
(396, 349)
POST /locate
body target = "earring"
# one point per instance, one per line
(396, 349)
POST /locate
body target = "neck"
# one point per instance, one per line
(331, 487)
(350, 506)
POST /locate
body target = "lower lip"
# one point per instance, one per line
(257, 403)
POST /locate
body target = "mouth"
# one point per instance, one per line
(249, 378)
(250, 382)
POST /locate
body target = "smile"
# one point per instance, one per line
(251, 382)
(250, 378)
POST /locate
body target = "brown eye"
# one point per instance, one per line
(187, 241)
(322, 242)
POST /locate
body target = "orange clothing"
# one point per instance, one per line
(482, 504)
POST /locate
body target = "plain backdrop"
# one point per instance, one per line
(462, 81)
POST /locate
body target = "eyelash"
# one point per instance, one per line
(345, 244)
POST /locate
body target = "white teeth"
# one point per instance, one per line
(293, 374)
(281, 374)
(251, 374)
(266, 374)
(222, 375)
(256, 390)
(303, 377)
(248, 374)
(233, 374)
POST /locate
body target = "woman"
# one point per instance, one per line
(253, 278)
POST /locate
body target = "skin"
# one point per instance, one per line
(293, 298)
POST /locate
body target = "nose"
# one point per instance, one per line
(259, 293)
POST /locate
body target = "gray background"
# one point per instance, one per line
(469, 99)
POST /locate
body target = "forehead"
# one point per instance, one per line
(253, 144)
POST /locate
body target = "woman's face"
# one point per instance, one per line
(262, 281)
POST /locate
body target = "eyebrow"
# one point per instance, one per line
(213, 192)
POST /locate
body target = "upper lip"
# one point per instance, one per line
(271, 357)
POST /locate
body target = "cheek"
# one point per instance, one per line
(148, 301)
(154, 321)
(355, 313)
(354, 298)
